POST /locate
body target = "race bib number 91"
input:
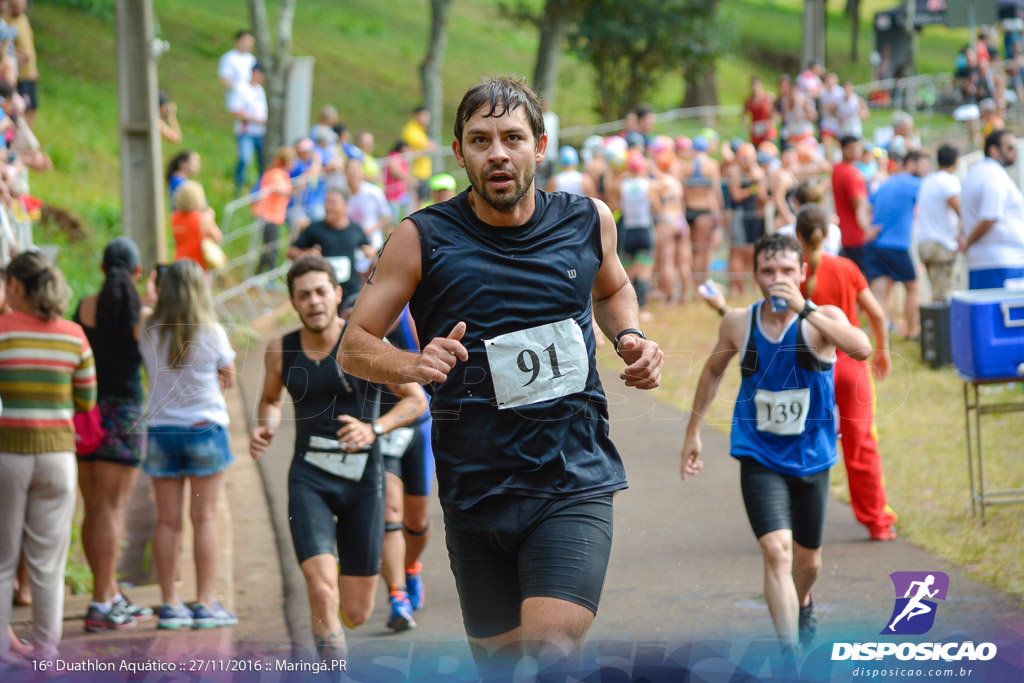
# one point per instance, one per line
(538, 364)
(782, 412)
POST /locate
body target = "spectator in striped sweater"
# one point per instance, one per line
(46, 376)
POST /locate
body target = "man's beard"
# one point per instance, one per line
(1004, 159)
(329, 320)
(507, 201)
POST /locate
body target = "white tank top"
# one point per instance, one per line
(636, 203)
(569, 181)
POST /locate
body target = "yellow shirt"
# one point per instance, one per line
(25, 44)
(416, 137)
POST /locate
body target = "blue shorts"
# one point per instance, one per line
(992, 278)
(891, 263)
(416, 466)
(187, 451)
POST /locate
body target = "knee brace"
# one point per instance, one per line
(392, 526)
(421, 532)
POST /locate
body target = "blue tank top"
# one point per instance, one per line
(500, 280)
(785, 414)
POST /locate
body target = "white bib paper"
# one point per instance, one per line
(538, 364)
(342, 267)
(325, 454)
(394, 443)
(782, 412)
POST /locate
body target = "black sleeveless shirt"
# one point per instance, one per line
(118, 361)
(321, 392)
(500, 280)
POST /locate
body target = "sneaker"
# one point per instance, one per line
(414, 585)
(173, 616)
(401, 612)
(114, 618)
(212, 616)
(808, 624)
(137, 611)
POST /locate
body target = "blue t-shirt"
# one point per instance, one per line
(315, 192)
(894, 204)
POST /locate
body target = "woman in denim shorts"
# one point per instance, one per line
(107, 475)
(189, 361)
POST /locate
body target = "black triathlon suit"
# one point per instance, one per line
(526, 490)
(324, 506)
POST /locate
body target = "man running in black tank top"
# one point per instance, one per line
(500, 282)
(336, 471)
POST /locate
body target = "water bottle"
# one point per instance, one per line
(708, 288)
(778, 304)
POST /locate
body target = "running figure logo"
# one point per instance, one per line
(914, 612)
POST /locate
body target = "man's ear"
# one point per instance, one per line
(457, 149)
(542, 147)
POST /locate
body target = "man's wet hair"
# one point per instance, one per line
(772, 244)
(848, 140)
(501, 95)
(310, 264)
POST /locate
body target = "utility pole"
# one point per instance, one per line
(142, 192)
(813, 46)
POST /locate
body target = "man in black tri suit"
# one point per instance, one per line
(500, 281)
(336, 471)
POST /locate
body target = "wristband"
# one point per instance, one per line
(628, 330)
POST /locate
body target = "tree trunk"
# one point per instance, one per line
(853, 11)
(553, 28)
(701, 86)
(430, 68)
(274, 56)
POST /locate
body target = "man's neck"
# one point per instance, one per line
(323, 338)
(522, 212)
(339, 225)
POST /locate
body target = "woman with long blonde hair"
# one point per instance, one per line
(189, 362)
(838, 281)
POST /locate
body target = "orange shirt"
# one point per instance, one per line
(188, 236)
(272, 207)
(839, 283)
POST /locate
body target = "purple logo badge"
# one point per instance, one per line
(914, 612)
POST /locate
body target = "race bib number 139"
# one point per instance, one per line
(782, 412)
(538, 364)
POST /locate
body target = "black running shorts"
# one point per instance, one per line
(779, 501)
(316, 497)
(508, 548)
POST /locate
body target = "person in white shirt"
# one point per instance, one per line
(368, 207)
(992, 209)
(235, 65)
(851, 111)
(832, 94)
(938, 223)
(249, 108)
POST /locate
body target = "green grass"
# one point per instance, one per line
(920, 424)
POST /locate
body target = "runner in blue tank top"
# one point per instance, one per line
(502, 282)
(784, 426)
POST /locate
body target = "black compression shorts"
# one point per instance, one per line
(508, 548)
(316, 497)
(779, 501)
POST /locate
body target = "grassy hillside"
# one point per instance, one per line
(367, 54)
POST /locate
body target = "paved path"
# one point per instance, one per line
(684, 565)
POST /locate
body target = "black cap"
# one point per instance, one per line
(122, 252)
